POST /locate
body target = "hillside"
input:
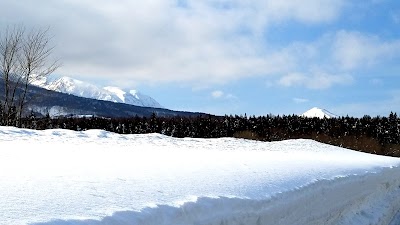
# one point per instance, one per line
(55, 104)
(80, 88)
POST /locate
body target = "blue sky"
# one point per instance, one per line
(230, 57)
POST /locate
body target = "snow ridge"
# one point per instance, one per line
(83, 89)
(366, 199)
(319, 113)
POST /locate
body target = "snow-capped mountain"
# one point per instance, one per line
(318, 112)
(83, 89)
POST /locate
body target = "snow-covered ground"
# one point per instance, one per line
(60, 177)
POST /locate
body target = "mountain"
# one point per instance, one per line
(43, 101)
(318, 112)
(83, 89)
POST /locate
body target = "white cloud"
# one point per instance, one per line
(353, 49)
(395, 16)
(292, 79)
(217, 94)
(164, 40)
(381, 107)
(314, 80)
(300, 100)
(231, 96)
(330, 59)
(310, 11)
(198, 42)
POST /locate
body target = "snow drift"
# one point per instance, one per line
(95, 177)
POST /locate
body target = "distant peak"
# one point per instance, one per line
(319, 113)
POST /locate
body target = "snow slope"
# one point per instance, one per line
(319, 113)
(79, 88)
(60, 177)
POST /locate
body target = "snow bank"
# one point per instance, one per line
(367, 199)
(95, 177)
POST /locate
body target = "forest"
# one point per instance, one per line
(377, 135)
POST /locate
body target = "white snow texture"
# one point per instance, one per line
(82, 89)
(318, 113)
(63, 177)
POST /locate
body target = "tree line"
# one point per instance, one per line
(25, 57)
(378, 135)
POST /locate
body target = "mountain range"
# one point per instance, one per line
(67, 96)
(87, 90)
(42, 101)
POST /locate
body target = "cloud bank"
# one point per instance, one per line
(166, 40)
(212, 41)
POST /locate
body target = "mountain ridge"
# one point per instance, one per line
(41, 102)
(80, 88)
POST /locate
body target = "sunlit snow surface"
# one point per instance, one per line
(96, 177)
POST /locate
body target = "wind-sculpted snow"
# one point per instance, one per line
(54, 177)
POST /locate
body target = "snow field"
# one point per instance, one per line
(55, 177)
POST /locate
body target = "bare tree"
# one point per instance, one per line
(24, 58)
(9, 49)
